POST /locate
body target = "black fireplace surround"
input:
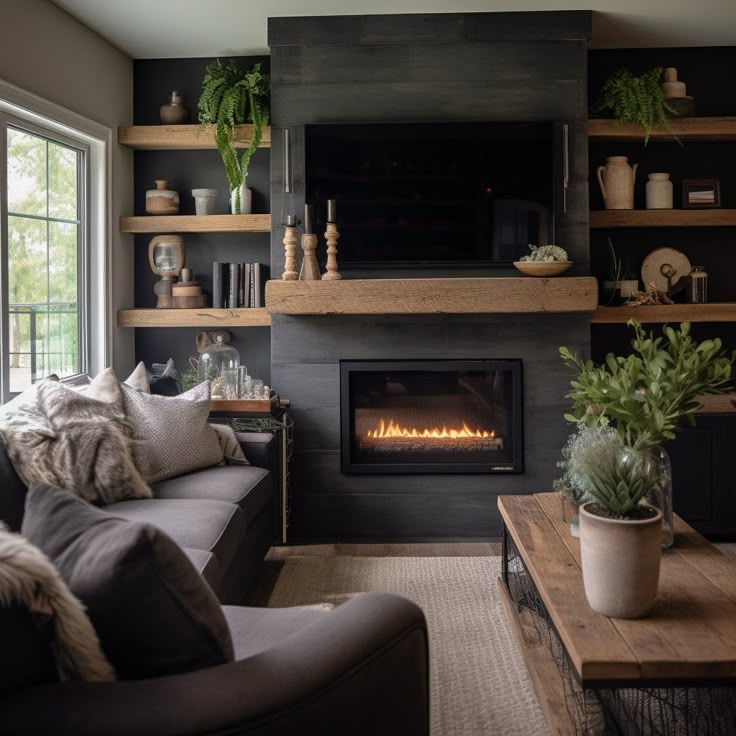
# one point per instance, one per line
(431, 416)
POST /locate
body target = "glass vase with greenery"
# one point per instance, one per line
(232, 96)
(645, 397)
(636, 99)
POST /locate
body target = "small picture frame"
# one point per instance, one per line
(698, 194)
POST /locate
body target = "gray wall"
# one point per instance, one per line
(507, 66)
(46, 51)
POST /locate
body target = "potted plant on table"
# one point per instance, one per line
(625, 409)
(231, 96)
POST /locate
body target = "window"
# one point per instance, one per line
(55, 281)
(47, 254)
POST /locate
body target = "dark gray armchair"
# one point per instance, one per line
(359, 670)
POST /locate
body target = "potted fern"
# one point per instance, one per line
(231, 96)
(636, 99)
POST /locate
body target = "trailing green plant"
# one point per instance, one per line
(647, 394)
(231, 96)
(545, 253)
(636, 99)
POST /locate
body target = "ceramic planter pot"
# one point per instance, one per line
(620, 563)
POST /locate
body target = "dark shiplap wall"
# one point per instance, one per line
(508, 66)
(186, 170)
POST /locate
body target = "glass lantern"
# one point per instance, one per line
(217, 358)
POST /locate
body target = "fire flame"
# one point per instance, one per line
(392, 429)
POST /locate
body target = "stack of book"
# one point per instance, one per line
(236, 285)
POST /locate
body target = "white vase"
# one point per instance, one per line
(659, 192)
(246, 201)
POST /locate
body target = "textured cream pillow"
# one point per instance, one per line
(172, 434)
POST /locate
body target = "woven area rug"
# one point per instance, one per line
(479, 682)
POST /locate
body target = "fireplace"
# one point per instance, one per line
(431, 416)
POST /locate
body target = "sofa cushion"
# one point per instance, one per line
(154, 614)
(255, 630)
(13, 493)
(206, 564)
(211, 526)
(246, 486)
(27, 658)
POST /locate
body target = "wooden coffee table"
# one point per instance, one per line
(673, 672)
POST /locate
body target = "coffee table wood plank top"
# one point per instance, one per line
(690, 634)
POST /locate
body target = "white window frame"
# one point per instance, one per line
(23, 108)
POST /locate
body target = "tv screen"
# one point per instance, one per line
(431, 194)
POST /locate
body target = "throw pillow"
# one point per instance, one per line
(232, 451)
(105, 386)
(90, 453)
(40, 617)
(138, 379)
(172, 434)
(154, 614)
(165, 379)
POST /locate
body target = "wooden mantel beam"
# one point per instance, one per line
(433, 296)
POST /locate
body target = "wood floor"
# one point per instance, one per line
(432, 549)
(276, 557)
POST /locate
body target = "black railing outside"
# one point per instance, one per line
(39, 337)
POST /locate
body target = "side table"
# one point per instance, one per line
(281, 425)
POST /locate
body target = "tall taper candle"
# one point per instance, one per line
(308, 218)
(331, 210)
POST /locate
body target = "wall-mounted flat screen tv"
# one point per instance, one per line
(433, 194)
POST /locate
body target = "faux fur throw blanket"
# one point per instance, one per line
(72, 441)
(28, 578)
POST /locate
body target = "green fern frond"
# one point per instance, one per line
(230, 97)
(639, 100)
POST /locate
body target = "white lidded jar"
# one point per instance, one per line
(659, 191)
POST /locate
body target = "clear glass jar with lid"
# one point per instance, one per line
(217, 358)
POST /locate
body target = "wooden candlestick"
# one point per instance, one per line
(290, 272)
(310, 267)
(331, 236)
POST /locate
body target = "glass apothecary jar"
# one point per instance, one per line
(217, 358)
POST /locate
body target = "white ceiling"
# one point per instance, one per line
(161, 29)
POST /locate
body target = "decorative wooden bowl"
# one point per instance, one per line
(542, 268)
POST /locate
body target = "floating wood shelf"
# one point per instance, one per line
(716, 312)
(183, 137)
(690, 129)
(600, 219)
(433, 296)
(196, 224)
(722, 404)
(254, 317)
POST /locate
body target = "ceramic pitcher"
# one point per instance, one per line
(616, 179)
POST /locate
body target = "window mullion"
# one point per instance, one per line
(4, 292)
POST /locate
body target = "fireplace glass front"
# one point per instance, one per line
(439, 416)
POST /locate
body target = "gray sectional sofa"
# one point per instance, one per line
(223, 517)
(359, 670)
